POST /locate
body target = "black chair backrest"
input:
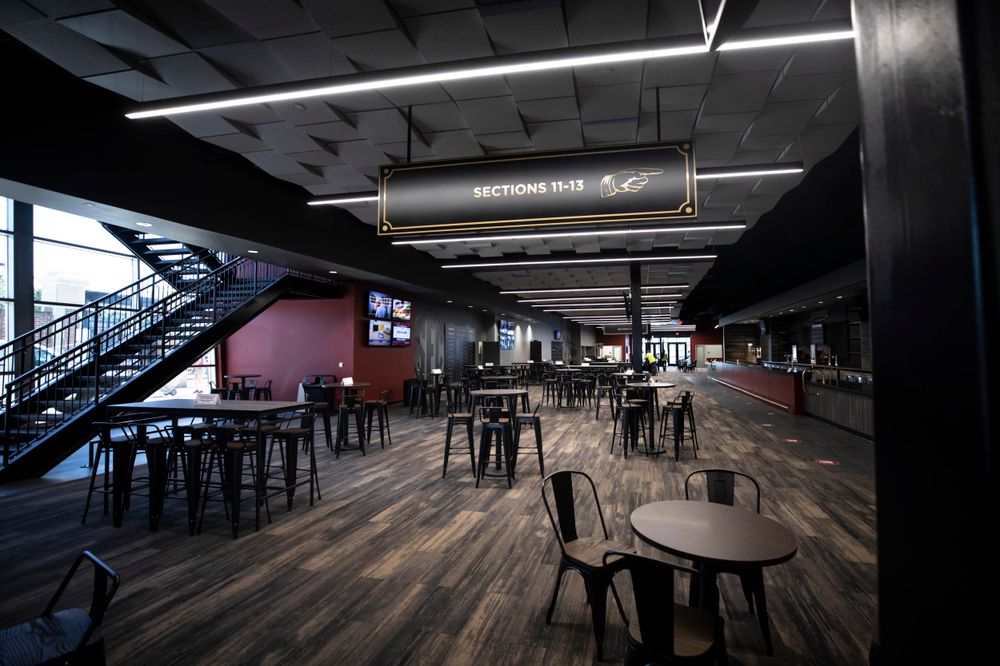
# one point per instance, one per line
(314, 392)
(721, 485)
(105, 585)
(652, 583)
(560, 486)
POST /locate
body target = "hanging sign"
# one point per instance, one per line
(597, 185)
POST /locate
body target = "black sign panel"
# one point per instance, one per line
(607, 185)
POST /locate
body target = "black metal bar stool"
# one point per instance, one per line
(315, 394)
(352, 403)
(533, 421)
(288, 439)
(379, 407)
(460, 419)
(498, 427)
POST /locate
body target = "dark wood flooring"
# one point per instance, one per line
(396, 565)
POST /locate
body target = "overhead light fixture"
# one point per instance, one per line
(143, 224)
(561, 262)
(790, 40)
(582, 289)
(566, 299)
(340, 201)
(332, 272)
(438, 73)
(597, 304)
(581, 310)
(575, 234)
(748, 170)
(253, 251)
(448, 301)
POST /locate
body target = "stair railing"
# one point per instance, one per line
(71, 329)
(49, 394)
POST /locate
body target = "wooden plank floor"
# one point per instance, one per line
(396, 565)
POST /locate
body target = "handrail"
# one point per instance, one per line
(42, 398)
(60, 335)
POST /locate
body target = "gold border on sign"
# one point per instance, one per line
(687, 208)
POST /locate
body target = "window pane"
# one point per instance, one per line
(6, 213)
(69, 228)
(188, 384)
(207, 359)
(6, 245)
(6, 325)
(73, 275)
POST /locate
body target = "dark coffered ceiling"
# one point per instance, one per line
(764, 106)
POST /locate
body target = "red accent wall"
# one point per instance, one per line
(294, 338)
(621, 340)
(383, 367)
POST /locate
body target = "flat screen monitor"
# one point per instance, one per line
(400, 310)
(379, 305)
(379, 333)
(400, 335)
(506, 334)
(557, 335)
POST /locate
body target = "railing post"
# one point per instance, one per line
(97, 366)
(163, 331)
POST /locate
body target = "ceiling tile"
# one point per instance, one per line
(332, 132)
(397, 151)
(202, 124)
(816, 86)
(517, 140)
(249, 63)
(190, 74)
(304, 178)
(360, 153)
(133, 85)
(601, 75)
(766, 142)
(310, 56)
(489, 116)
(674, 19)
(238, 142)
(541, 85)
(438, 117)
(725, 122)
(719, 146)
(18, 11)
(836, 56)
(347, 178)
(609, 102)
(267, 19)
(754, 60)
(836, 114)
(319, 158)
(779, 12)
(733, 93)
(456, 35)
(673, 125)
(69, 49)
(521, 27)
(275, 163)
(338, 18)
(407, 8)
(612, 131)
(679, 71)
(674, 98)
(380, 50)
(557, 134)
(124, 31)
(600, 21)
(199, 25)
(784, 118)
(61, 8)
(824, 138)
(413, 95)
(383, 126)
(366, 100)
(304, 112)
(562, 108)
(477, 88)
(285, 138)
(455, 143)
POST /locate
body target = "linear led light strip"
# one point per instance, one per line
(484, 70)
(567, 299)
(621, 309)
(419, 79)
(564, 290)
(598, 304)
(551, 262)
(574, 234)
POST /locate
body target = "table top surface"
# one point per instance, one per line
(245, 376)
(489, 377)
(713, 532)
(352, 385)
(498, 392)
(225, 407)
(630, 374)
(654, 385)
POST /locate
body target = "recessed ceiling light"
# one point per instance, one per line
(616, 299)
(560, 262)
(143, 224)
(448, 301)
(470, 306)
(484, 309)
(299, 106)
(839, 296)
(444, 240)
(253, 251)
(333, 272)
(87, 203)
(339, 201)
(821, 302)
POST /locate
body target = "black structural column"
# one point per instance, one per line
(24, 278)
(635, 285)
(928, 90)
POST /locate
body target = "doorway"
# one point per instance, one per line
(676, 351)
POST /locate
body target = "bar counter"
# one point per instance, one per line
(781, 388)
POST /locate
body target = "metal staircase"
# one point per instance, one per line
(124, 346)
(169, 258)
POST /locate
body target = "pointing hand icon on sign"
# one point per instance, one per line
(627, 180)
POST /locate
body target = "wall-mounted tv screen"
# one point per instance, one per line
(379, 305)
(506, 334)
(400, 335)
(400, 310)
(379, 333)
